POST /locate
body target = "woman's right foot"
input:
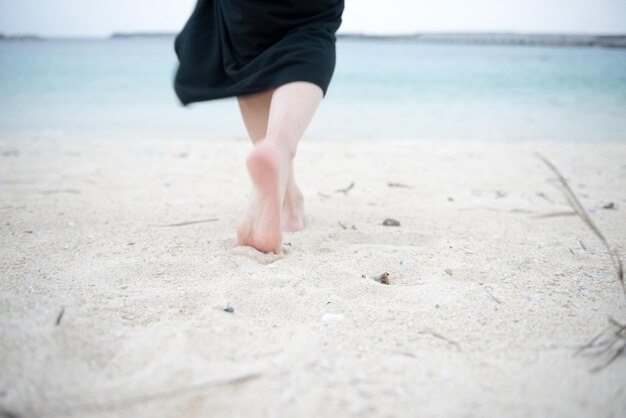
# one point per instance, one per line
(260, 227)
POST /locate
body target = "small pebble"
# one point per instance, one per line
(610, 205)
(391, 222)
(229, 308)
(384, 278)
(448, 271)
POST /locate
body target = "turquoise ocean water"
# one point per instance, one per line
(381, 90)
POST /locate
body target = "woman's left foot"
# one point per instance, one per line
(292, 214)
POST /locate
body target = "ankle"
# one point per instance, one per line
(293, 194)
(285, 148)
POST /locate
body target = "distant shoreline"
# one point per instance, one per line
(495, 38)
(20, 38)
(605, 41)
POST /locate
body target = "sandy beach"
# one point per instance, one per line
(118, 275)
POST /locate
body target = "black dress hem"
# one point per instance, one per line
(232, 48)
(194, 97)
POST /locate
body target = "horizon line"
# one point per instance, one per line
(122, 34)
(450, 38)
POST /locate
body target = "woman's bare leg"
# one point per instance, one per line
(270, 162)
(255, 110)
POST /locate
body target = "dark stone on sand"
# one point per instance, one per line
(391, 222)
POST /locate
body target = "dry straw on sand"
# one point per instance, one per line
(611, 340)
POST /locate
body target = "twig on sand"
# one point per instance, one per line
(556, 214)
(401, 185)
(582, 213)
(613, 337)
(60, 316)
(479, 208)
(81, 409)
(344, 226)
(346, 190)
(498, 301)
(56, 191)
(403, 353)
(189, 222)
(441, 337)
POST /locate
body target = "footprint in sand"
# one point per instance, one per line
(254, 254)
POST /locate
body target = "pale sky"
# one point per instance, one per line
(102, 17)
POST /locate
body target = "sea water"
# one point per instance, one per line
(382, 89)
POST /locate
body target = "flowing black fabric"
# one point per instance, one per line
(237, 47)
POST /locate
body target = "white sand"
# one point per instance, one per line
(309, 337)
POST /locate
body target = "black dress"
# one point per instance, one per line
(237, 47)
